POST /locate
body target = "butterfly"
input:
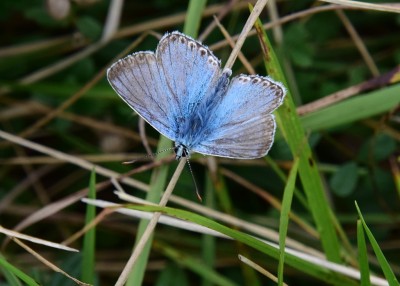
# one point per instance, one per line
(181, 90)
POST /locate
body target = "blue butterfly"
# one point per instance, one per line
(182, 92)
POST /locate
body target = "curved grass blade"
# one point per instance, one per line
(284, 219)
(314, 270)
(158, 182)
(194, 264)
(11, 273)
(293, 132)
(362, 255)
(157, 186)
(387, 270)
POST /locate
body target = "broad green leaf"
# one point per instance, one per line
(344, 180)
(298, 46)
(89, 27)
(379, 148)
(353, 109)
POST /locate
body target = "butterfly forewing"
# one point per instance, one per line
(190, 69)
(242, 124)
(139, 82)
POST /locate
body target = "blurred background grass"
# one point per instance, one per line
(48, 55)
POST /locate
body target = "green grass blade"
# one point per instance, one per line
(353, 109)
(284, 219)
(157, 186)
(208, 241)
(6, 266)
(316, 271)
(159, 176)
(274, 166)
(294, 134)
(193, 17)
(89, 240)
(171, 275)
(362, 255)
(7, 276)
(202, 269)
(225, 202)
(387, 270)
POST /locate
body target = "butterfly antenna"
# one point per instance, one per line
(153, 155)
(194, 180)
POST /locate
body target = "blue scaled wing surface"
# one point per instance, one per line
(243, 125)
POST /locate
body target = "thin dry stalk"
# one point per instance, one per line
(390, 7)
(170, 21)
(151, 226)
(31, 178)
(145, 142)
(43, 121)
(276, 203)
(223, 43)
(68, 158)
(382, 80)
(48, 263)
(245, 31)
(112, 20)
(221, 14)
(21, 49)
(87, 227)
(241, 57)
(369, 61)
(257, 267)
(36, 240)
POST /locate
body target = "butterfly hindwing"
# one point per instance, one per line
(243, 126)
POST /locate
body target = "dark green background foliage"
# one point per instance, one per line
(355, 142)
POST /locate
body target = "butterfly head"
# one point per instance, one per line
(181, 151)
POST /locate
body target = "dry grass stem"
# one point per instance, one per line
(241, 57)
(150, 227)
(257, 267)
(258, 8)
(359, 43)
(390, 7)
(47, 262)
(36, 240)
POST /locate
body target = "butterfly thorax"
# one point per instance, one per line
(181, 151)
(195, 127)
